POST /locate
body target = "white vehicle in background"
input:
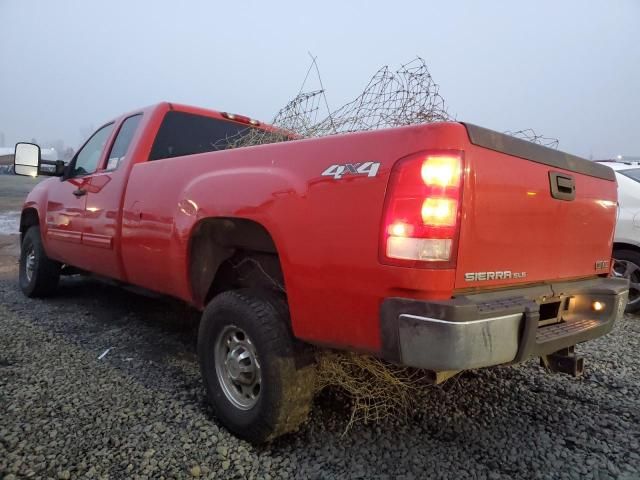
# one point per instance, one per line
(626, 242)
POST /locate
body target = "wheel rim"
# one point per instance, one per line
(30, 263)
(237, 367)
(630, 271)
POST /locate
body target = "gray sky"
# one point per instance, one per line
(568, 69)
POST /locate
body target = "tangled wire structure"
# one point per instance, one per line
(531, 136)
(392, 98)
(406, 96)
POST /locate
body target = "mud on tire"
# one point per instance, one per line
(259, 379)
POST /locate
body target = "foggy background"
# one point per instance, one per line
(569, 70)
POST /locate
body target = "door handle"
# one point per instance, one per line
(79, 192)
(563, 186)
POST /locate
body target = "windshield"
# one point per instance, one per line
(632, 173)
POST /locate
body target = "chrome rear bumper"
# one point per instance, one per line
(445, 345)
(497, 328)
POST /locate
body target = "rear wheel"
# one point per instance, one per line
(258, 377)
(38, 274)
(626, 264)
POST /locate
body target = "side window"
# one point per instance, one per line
(88, 157)
(184, 133)
(122, 141)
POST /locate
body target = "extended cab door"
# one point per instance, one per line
(101, 228)
(66, 202)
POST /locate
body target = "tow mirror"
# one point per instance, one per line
(51, 168)
(27, 161)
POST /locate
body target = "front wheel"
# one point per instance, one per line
(258, 377)
(626, 264)
(38, 274)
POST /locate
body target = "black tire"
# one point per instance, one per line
(287, 369)
(626, 264)
(38, 274)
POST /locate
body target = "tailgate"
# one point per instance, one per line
(532, 214)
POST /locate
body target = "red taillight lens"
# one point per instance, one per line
(422, 208)
(441, 170)
(439, 212)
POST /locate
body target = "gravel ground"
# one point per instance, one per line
(140, 411)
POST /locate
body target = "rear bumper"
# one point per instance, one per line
(500, 327)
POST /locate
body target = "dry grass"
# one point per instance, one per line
(378, 390)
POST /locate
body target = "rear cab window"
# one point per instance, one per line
(123, 140)
(182, 134)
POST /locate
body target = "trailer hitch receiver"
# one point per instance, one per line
(564, 361)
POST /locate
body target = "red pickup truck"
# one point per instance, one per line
(442, 246)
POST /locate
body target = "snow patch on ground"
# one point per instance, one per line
(9, 222)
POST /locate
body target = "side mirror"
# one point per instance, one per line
(51, 168)
(26, 160)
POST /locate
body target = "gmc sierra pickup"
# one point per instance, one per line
(442, 246)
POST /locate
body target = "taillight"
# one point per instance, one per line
(422, 209)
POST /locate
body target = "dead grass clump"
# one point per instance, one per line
(378, 390)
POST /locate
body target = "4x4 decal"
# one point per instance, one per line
(369, 169)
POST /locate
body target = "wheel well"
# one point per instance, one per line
(231, 253)
(625, 246)
(28, 219)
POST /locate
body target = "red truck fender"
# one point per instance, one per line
(217, 223)
(32, 210)
(30, 217)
